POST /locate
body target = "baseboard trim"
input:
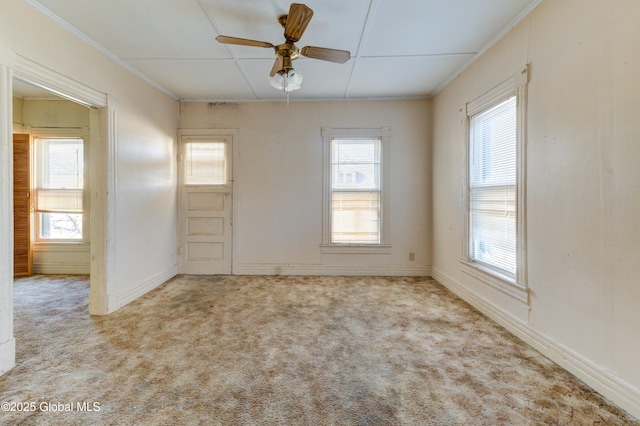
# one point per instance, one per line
(604, 382)
(330, 270)
(146, 286)
(7, 356)
(61, 268)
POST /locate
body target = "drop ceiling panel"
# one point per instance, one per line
(409, 27)
(324, 80)
(404, 77)
(258, 71)
(143, 28)
(198, 79)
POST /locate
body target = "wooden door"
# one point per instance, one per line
(206, 210)
(22, 252)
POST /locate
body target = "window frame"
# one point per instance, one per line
(514, 285)
(329, 134)
(60, 133)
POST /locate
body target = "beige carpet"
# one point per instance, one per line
(282, 350)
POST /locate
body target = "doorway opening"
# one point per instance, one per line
(51, 191)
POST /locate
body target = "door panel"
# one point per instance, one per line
(205, 226)
(22, 248)
(206, 209)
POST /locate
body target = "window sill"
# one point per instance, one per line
(355, 249)
(500, 282)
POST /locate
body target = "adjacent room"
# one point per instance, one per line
(363, 212)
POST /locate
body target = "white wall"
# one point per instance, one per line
(583, 188)
(51, 113)
(142, 246)
(278, 183)
(17, 115)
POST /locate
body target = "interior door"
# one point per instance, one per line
(22, 248)
(206, 205)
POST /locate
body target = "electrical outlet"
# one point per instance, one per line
(412, 256)
(278, 270)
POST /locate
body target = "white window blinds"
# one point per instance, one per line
(60, 174)
(492, 187)
(205, 163)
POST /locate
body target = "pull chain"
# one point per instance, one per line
(285, 87)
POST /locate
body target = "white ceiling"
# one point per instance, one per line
(399, 48)
(29, 91)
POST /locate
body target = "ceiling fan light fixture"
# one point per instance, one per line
(287, 81)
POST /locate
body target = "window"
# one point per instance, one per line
(492, 186)
(355, 191)
(205, 163)
(355, 213)
(59, 183)
(495, 182)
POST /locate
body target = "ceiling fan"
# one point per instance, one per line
(283, 76)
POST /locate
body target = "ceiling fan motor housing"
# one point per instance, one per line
(288, 52)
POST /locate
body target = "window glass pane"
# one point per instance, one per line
(60, 226)
(205, 163)
(62, 165)
(355, 164)
(355, 151)
(492, 184)
(355, 217)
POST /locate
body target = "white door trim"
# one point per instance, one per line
(7, 341)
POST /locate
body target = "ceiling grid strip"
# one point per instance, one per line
(373, 5)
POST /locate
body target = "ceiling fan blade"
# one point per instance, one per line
(277, 66)
(325, 54)
(297, 21)
(243, 41)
